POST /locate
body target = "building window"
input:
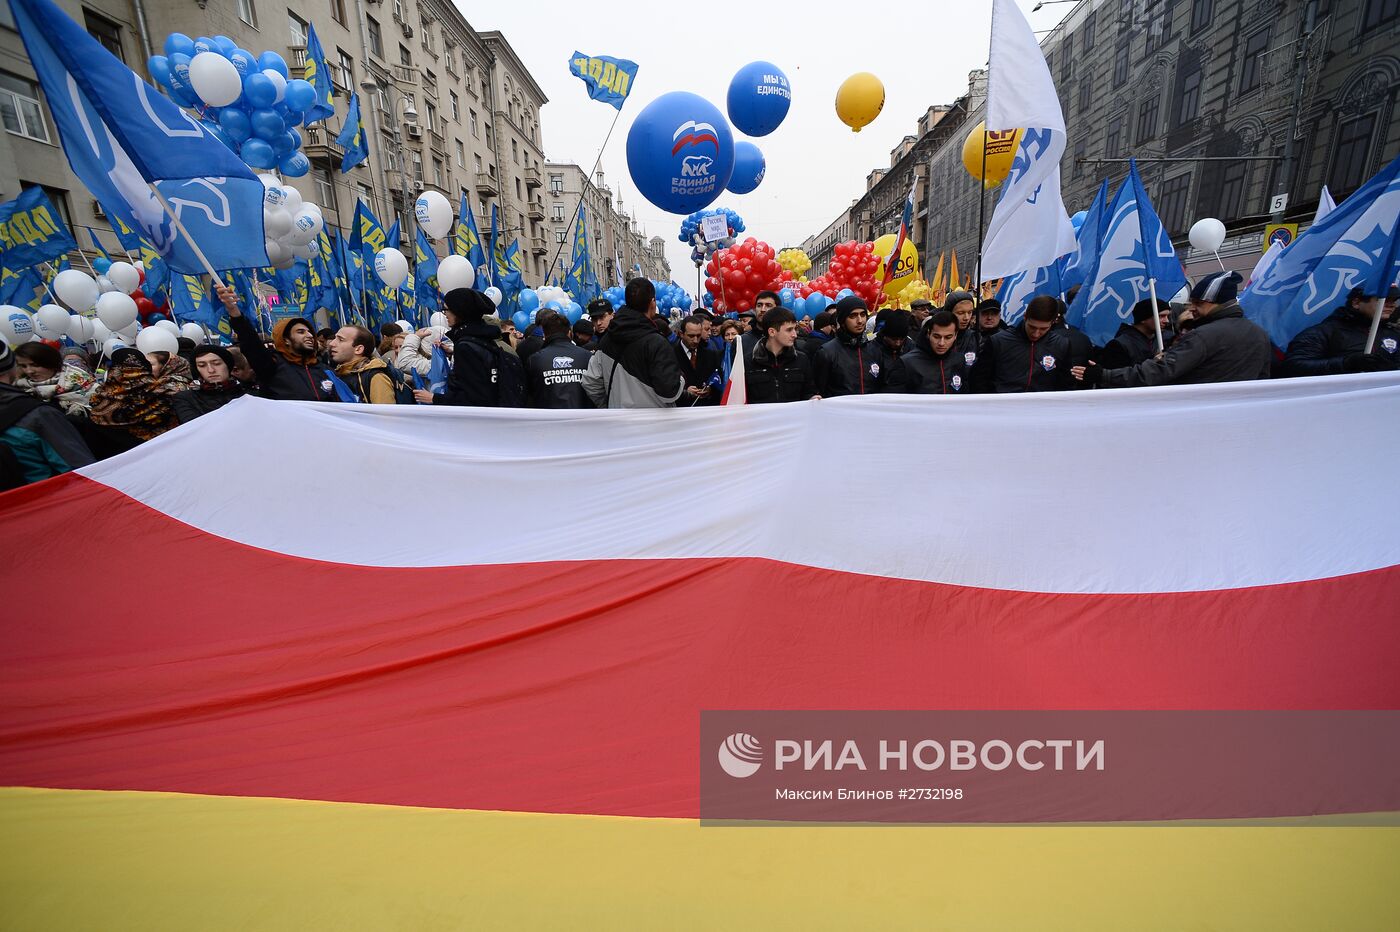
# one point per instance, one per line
(1076, 167)
(437, 173)
(296, 29)
(376, 41)
(518, 193)
(417, 158)
(1066, 61)
(514, 152)
(405, 57)
(461, 154)
(20, 109)
(1086, 93)
(398, 10)
(325, 192)
(1252, 69)
(556, 184)
(1089, 23)
(1190, 100)
(558, 213)
(449, 55)
(338, 11)
(1378, 13)
(1113, 145)
(1147, 119)
(490, 140)
(248, 13)
(105, 31)
(347, 69)
(1159, 25)
(1232, 189)
(1351, 157)
(476, 163)
(366, 194)
(559, 236)
(455, 106)
(431, 110)
(1173, 203)
(1120, 64)
(471, 122)
(1201, 11)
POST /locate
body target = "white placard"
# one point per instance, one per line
(714, 228)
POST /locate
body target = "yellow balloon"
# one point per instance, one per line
(906, 267)
(795, 261)
(1001, 152)
(859, 100)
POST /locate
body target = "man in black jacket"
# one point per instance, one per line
(989, 319)
(1221, 346)
(700, 366)
(292, 371)
(935, 365)
(823, 332)
(484, 372)
(849, 364)
(635, 366)
(1338, 344)
(556, 370)
(778, 371)
(1137, 341)
(216, 386)
(1034, 357)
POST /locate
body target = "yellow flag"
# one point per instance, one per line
(954, 281)
(937, 285)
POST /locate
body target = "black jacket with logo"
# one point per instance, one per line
(555, 374)
(484, 373)
(848, 365)
(1223, 347)
(931, 374)
(1322, 349)
(1011, 362)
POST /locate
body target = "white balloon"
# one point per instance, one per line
(1207, 234)
(128, 334)
(286, 263)
(215, 79)
(53, 318)
(100, 331)
(455, 272)
(169, 325)
(294, 200)
(104, 284)
(434, 214)
(81, 329)
(309, 220)
(116, 310)
(157, 340)
(278, 82)
(270, 180)
(276, 252)
(277, 223)
(305, 251)
(391, 266)
(437, 319)
(76, 289)
(16, 324)
(140, 266)
(405, 326)
(112, 344)
(193, 332)
(495, 295)
(274, 193)
(299, 236)
(123, 274)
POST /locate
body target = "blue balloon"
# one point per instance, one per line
(156, 318)
(102, 264)
(267, 125)
(759, 97)
(293, 117)
(844, 293)
(815, 303)
(574, 312)
(235, 124)
(226, 45)
(283, 143)
(271, 61)
(556, 306)
(300, 95)
(218, 133)
(529, 301)
(294, 165)
(521, 321)
(159, 67)
(244, 61)
(205, 44)
(680, 152)
(749, 167)
(259, 90)
(786, 297)
(179, 43)
(257, 153)
(179, 64)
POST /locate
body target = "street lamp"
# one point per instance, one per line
(1036, 8)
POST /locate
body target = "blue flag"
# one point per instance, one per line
(608, 79)
(193, 303)
(497, 262)
(122, 137)
(425, 269)
(513, 271)
(1075, 266)
(352, 137)
(1017, 290)
(438, 371)
(22, 287)
(582, 283)
(466, 240)
(1135, 251)
(342, 390)
(319, 77)
(97, 244)
(1353, 245)
(31, 231)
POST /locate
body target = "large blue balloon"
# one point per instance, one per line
(815, 303)
(102, 264)
(294, 165)
(226, 45)
(244, 61)
(529, 301)
(574, 312)
(680, 152)
(259, 90)
(1077, 220)
(759, 97)
(217, 132)
(300, 95)
(235, 124)
(521, 321)
(178, 42)
(267, 124)
(159, 67)
(283, 143)
(786, 297)
(257, 153)
(205, 44)
(749, 167)
(271, 61)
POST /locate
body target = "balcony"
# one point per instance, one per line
(533, 177)
(296, 60)
(536, 211)
(405, 74)
(538, 246)
(317, 143)
(487, 186)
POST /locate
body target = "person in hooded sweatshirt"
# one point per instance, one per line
(485, 373)
(635, 366)
(850, 364)
(936, 365)
(1136, 341)
(292, 370)
(1034, 357)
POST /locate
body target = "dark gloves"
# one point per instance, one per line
(1093, 374)
(1367, 362)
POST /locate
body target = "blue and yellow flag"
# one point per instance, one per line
(513, 275)
(31, 230)
(608, 79)
(22, 288)
(466, 241)
(97, 244)
(581, 282)
(352, 137)
(157, 281)
(192, 302)
(319, 77)
(498, 256)
(425, 269)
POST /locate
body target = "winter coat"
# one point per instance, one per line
(40, 442)
(788, 377)
(416, 354)
(1011, 362)
(1223, 347)
(484, 373)
(1322, 349)
(555, 374)
(278, 376)
(199, 401)
(1127, 348)
(704, 371)
(634, 367)
(931, 374)
(849, 365)
(370, 381)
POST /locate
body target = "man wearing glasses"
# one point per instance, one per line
(849, 364)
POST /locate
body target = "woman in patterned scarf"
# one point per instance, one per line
(136, 401)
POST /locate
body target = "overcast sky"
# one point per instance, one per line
(815, 165)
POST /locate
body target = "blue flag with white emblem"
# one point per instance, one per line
(122, 137)
(425, 269)
(319, 77)
(1135, 252)
(352, 137)
(1074, 268)
(1352, 246)
(1017, 290)
(608, 79)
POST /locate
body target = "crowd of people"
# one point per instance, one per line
(59, 410)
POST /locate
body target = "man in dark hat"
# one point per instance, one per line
(215, 387)
(1136, 341)
(989, 319)
(850, 364)
(1222, 346)
(485, 373)
(1338, 344)
(291, 370)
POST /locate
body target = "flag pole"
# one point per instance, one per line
(981, 206)
(1156, 318)
(175, 219)
(582, 189)
(1379, 305)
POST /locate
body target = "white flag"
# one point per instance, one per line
(1325, 205)
(1029, 228)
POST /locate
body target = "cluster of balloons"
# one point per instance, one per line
(859, 100)
(290, 223)
(1000, 148)
(249, 103)
(691, 232)
(669, 296)
(737, 275)
(795, 261)
(852, 271)
(681, 151)
(533, 300)
(434, 214)
(805, 307)
(915, 290)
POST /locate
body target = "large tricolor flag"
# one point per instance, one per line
(277, 715)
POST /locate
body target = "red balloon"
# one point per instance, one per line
(145, 306)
